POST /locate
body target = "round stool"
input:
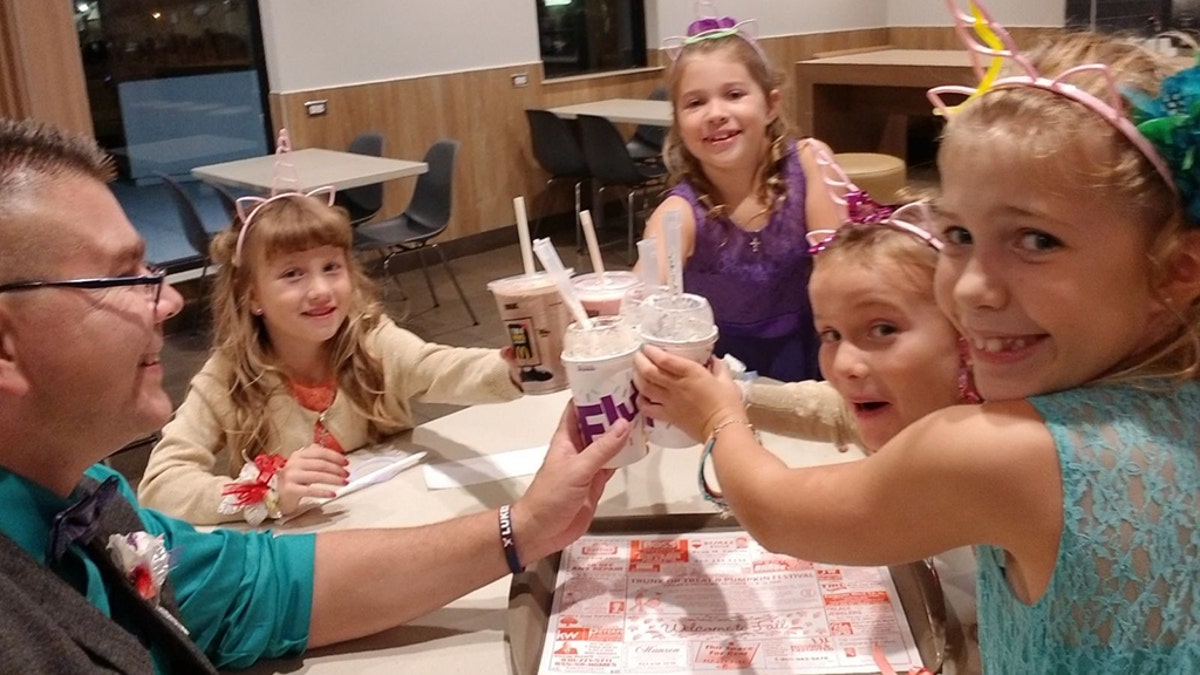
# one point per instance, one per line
(882, 176)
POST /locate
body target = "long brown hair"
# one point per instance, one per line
(287, 226)
(772, 189)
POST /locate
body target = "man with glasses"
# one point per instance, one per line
(82, 567)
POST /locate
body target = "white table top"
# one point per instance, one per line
(467, 636)
(315, 167)
(631, 110)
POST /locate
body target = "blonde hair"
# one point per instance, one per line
(882, 245)
(681, 164)
(1048, 129)
(281, 227)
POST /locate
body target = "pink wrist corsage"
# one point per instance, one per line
(254, 492)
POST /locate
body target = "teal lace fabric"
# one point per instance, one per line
(1125, 594)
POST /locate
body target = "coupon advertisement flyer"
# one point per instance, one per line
(718, 601)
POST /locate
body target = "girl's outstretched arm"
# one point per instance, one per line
(687, 231)
(963, 475)
(820, 211)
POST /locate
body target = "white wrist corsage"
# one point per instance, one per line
(254, 493)
(145, 561)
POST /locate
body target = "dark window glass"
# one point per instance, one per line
(1145, 17)
(591, 36)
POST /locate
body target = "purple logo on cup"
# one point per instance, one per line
(596, 418)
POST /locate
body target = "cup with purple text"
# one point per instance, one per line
(599, 364)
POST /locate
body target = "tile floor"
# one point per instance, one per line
(408, 302)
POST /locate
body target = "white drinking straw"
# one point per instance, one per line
(523, 234)
(589, 235)
(549, 256)
(648, 262)
(672, 224)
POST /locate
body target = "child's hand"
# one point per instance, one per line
(306, 470)
(510, 357)
(685, 393)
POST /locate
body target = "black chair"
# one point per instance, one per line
(362, 203)
(557, 151)
(610, 165)
(228, 202)
(426, 217)
(647, 142)
(193, 228)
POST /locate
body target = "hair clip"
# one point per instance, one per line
(994, 41)
(284, 183)
(861, 208)
(712, 27)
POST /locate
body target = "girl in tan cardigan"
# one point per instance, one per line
(306, 367)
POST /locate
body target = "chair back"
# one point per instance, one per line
(554, 145)
(433, 194)
(607, 157)
(362, 203)
(653, 136)
(193, 227)
(228, 202)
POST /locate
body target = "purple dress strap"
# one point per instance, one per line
(757, 282)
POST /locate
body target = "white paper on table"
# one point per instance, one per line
(680, 604)
(368, 466)
(445, 475)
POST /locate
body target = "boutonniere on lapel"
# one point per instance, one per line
(144, 560)
(254, 492)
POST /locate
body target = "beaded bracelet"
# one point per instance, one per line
(509, 540)
(709, 494)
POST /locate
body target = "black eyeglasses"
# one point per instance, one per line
(152, 283)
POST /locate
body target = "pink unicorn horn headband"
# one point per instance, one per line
(984, 36)
(284, 183)
(862, 210)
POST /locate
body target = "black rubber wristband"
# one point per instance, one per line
(509, 540)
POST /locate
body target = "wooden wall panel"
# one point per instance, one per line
(38, 45)
(484, 111)
(943, 37)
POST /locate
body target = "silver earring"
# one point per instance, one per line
(257, 311)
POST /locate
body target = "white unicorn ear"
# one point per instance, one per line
(246, 206)
(748, 29)
(819, 238)
(1111, 87)
(325, 192)
(673, 46)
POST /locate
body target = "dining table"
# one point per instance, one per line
(864, 101)
(314, 167)
(470, 634)
(621, 110)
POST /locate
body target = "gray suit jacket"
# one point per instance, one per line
(46, 626)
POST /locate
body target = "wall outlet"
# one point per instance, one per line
(316, 108)
(520, 80)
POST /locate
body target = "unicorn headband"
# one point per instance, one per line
(983, 35)
(862, 210)
(712, 27)
(284, 181)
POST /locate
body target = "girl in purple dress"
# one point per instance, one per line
(747, 193)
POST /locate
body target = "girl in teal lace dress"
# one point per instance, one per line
(1072, 265)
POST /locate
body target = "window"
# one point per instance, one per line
(591, 36)
(1146, 17)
